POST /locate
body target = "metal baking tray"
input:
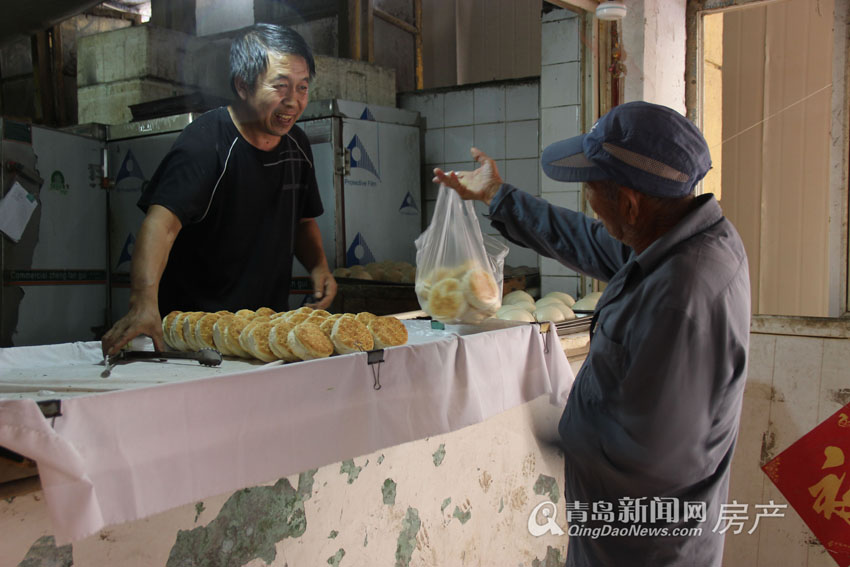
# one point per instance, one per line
(573, 326)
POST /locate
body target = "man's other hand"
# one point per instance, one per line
(324, 288)
(138, 321)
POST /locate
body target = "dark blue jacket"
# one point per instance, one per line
(650, 424)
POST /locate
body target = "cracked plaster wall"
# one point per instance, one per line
(457, 499)
(794, 383)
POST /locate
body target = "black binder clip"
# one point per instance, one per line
(374, 357)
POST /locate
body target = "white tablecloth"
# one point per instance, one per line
(158, 435)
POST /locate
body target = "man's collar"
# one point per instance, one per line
(706, 213)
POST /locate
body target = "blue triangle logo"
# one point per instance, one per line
(360, 158)
(358, 252)
(127, 250)
(129, 168)
(367, 115)
(409, 206)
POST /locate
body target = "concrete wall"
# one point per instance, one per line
(146, 63)
(212, 16)
(839, 150)
(654, 43)
(140, 64)
(353, 80)
(17, 84)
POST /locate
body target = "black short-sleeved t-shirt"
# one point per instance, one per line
(239, 207)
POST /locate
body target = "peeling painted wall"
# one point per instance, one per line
(794, 383)
(457, 499)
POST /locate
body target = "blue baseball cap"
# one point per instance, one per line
(648, 147)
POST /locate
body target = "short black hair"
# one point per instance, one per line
(608, 187)
(249, 51)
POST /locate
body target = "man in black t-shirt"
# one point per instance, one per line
(234, 199)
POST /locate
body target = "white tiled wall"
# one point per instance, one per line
(511, 122)
(501, 119)
(560, 112)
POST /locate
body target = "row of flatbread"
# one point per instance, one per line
(266, 335)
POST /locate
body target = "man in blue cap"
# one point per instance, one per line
(650, 425)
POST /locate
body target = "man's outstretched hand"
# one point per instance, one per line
(481, 184)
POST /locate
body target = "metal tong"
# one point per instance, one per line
(206, 356)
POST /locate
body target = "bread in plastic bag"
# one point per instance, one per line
(458, 269)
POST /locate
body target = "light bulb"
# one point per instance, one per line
(611, 10)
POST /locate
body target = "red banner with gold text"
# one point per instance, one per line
(814, 476)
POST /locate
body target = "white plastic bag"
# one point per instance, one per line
(458, 269)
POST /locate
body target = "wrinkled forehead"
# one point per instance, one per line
(286, 65)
